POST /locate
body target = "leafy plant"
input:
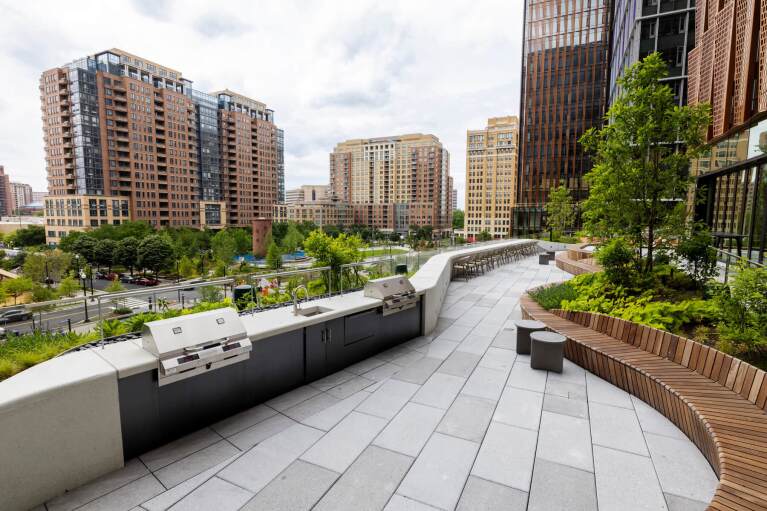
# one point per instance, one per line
(551, 297)
(617, 259)
(695, 251)
(560, 210)
(743, 303)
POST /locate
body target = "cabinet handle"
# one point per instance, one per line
(330, 336)
(323, 336)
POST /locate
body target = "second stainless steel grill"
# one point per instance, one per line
(397, 293)
(190, 345)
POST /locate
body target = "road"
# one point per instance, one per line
(74, 314)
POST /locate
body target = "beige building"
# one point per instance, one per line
(394, 182)
(322, 213)
(66, 213)
(21, 195)
(307, 193)
(491, 166)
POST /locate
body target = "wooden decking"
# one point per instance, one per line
(575, 260)
(717, 400)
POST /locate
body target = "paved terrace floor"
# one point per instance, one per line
(453, 420)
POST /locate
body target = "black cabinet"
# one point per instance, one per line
(323, 349)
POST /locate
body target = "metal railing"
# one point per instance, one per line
(729, 264)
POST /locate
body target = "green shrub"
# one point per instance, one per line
(551, 297)
(617, 259)
(743, 305)
(695, 252)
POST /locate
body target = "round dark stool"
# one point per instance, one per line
(524, 328)
(547, 349)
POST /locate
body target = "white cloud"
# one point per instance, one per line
(330, 70)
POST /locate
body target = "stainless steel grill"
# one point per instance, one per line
(190, 345)
(397, 293)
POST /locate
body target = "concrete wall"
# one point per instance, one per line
(59, 428)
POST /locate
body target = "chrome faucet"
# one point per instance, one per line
(294, 295)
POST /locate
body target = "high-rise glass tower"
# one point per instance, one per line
(564, 93)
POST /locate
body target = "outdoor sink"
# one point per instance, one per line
(312, 311)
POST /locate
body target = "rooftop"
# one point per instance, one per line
(453, 420)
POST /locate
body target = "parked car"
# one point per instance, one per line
(12, 315)
(98, 275)
(146, 281)
(127, 279)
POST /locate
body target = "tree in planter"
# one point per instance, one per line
(126, 253)
(560, 210)
(154, 253)
(641, 158)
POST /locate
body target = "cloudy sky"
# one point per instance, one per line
(331, 70)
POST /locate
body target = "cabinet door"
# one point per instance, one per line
(316, 356)
(334, 343)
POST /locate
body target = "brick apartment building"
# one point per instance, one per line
(394, 182)
(128, 139)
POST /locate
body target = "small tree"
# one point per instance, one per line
(641, 158)
(187, 267)
(484, 236)
(68, 286)
(84, 246)
(560, 210)
(696, 252)
(291, 240)
(48, 264)
(103, 253)
(155, 253)
(126, 253)
(224, 246)
(114, 286)
(458, 218)
(273, 256)
(17, 287)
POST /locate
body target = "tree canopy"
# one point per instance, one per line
(641, 158)
(560, 210)
(154, 253)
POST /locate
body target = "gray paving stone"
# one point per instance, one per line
(400, 503)
(603, 392)
(559, 487)
(571, 373)
(311, 406)
(419, 371)
(292, 398)
(246, 439)
(506, 456)
(392, 353)
(616, 427)
(438, 474)
(506, 339)
(563, 405)
(485, 383)
(519, 407)
(365, 365)
(439, 390)
(626, 481)
(180, 448)
(202, 460)
(330, 381)
(677, 503)
(243, 420)
(524, 377)
(566, 440)
(565, 389)
(75, 498)
(681, 468)
(460, 363)
(454, 332)
(498, 359)
(467, 418)
(128, 496)
(440, 348)
(408, 432)
(368, 483)
(652, 421)
(485, 330)
(257, 467)
(475, 344)
(351, 387)
(481, 494)
(214, 494)
(388, 399)
(329, 417)
(168, 498)
(383, 372)
(407, 358)
(298, 487)
(342, 444)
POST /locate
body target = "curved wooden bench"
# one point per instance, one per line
(717, 400)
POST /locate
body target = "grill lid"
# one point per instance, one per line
(173, 336)
(388, 287)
